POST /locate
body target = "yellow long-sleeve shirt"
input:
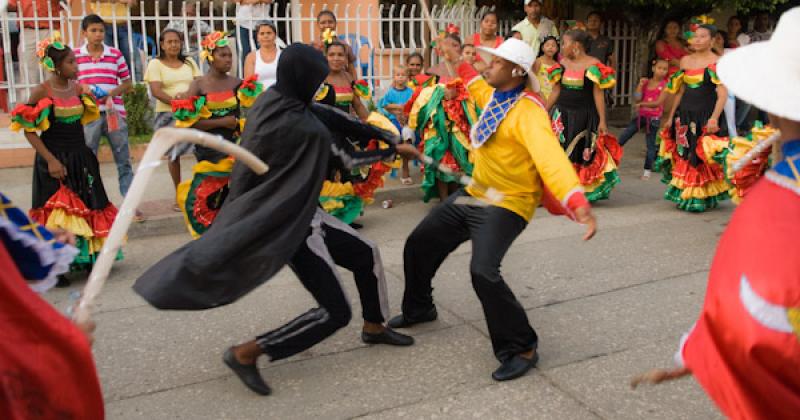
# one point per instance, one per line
(522, 154)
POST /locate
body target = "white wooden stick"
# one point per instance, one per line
(426, 14)
(161, 142)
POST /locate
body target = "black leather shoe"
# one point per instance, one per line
(515, 367)
(400, 321)
(63, 281)
(247, 373)
(388, 336)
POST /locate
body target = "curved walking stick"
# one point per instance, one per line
(161, 142)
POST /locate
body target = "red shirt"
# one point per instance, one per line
(476, 41)
(44, 9)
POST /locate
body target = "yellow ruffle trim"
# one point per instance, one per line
(77, 225)
(610, 166)
(712, 146)
(422, 99)
(91, 111)
(248, 101)
(43, 126)
(204, 114)
(712, 189)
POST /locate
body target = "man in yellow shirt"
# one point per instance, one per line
(516, 152)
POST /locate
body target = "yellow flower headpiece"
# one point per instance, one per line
(328, 36)
(210, 42)
(44, 45)
(695, 23)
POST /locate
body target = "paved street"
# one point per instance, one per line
(604, 310)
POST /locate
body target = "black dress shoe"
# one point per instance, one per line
(514, 367)
(400, 321)
(356, 226)
(247, 373)
(388, 336)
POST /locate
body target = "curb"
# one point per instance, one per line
(172, 224)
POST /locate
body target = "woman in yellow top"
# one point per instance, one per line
(579, 115)
(515, 152)
(215, 103)
(170, 75)
(68, 192)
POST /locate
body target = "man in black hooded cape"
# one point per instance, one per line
(271, 220)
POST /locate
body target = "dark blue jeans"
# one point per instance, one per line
(132, 60)
(247, 38)
(649, 137)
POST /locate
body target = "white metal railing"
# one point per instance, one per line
(382, 36)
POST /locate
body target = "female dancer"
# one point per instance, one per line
(548, 53)
(214, 103)
(692, 135)
(670, 46)
(444, 115)
(264, 61)
(68, 192)
(578, 111)
(345, 191)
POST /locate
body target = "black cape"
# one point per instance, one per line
(265, 218)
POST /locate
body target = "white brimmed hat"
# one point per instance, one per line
(767, 74)
(519, 53)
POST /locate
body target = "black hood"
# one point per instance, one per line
(301, 70)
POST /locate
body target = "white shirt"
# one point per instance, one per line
(248, 16)
(267, 72)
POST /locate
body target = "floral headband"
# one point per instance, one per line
(695, 23)
(450, 29)
(328, 36)
(210, 42)
(44, 45)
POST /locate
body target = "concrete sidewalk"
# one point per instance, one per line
(605, 310)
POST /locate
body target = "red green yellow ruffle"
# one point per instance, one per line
(602, 75)
(188, 111)
(249, 91)
(361, 88)
(201, 197)
(554, 73)
(91, 111)
(600, 176)
(744, 179)
(65, 210)
(340, 200)
(32, 118)
(693, 188)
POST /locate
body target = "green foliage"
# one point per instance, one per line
(140, 114)
(645, 12)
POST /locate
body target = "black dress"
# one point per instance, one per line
(78, 203)
(686, 156)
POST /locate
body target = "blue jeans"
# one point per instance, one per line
(246, 37)
(119, 147)
(123, 46)
(650, 136)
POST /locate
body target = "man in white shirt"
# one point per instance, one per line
(535, 26)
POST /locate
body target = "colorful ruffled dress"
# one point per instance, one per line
(575, 121)
(79, 203)
(444, 127)
(201, 197)
(687, 154)
(346, 192)
(742, 181)
(545, 84)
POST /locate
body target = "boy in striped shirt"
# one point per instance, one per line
(104, 70)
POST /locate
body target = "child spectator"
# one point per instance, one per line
(469, 53)
(392, 105)
(169, 76)
(104, 70)
(651, 96)
(547, 58)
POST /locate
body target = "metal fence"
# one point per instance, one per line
(382, 36)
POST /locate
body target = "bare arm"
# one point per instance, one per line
(156, 89)
(722, 97)
(600, 104)
(661, 51)
(54, 167)
(359, 108)
(250, 64)
(553, 96)
(125, 87)
(662, 98)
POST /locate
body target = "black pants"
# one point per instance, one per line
(492, 230)
(330, 243)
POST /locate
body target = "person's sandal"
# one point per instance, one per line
(176, 208)
(407, 181)
(138, 217)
